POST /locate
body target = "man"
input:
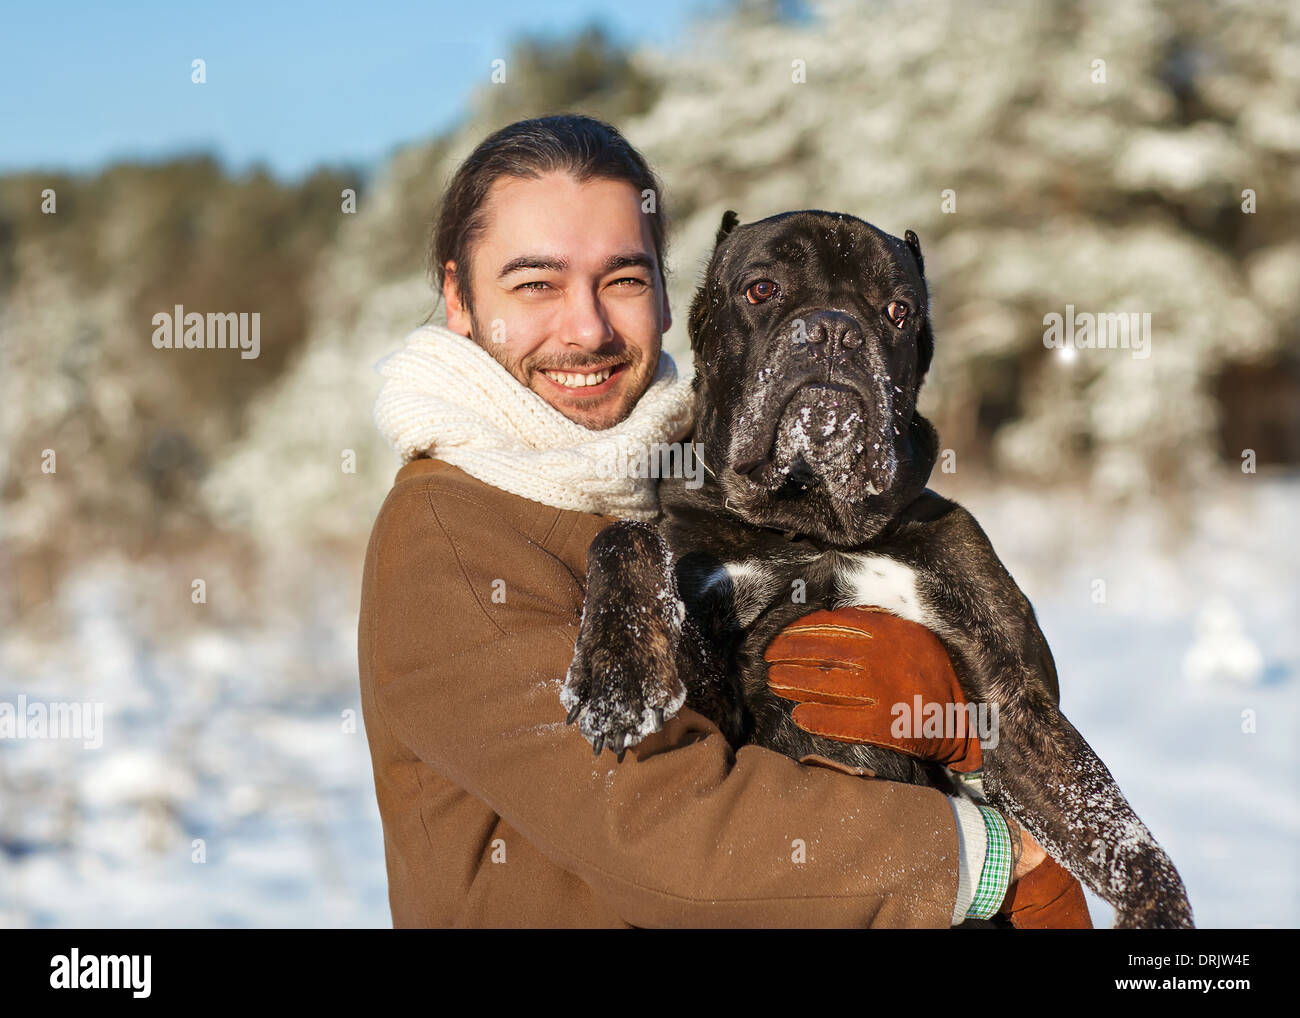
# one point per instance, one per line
(549, 252)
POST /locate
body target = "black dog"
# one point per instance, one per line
(811, 339)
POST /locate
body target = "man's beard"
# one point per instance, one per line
(524, 370)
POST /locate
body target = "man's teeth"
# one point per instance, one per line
(578, 381)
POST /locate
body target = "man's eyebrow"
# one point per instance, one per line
(550, 263)
(547, 263)
(632, 259)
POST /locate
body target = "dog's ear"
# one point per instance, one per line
(924, 339)
(698, 318)
(914, 244)
(729, 222)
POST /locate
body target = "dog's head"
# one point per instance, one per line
(811, 336)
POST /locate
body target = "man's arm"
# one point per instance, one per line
(842, 668)
(469, 627)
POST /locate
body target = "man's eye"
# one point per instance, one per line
(536, 286)
(764, 289)
(633, 280)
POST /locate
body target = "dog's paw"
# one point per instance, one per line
(1173, 912)
(1157, 918)
(1152, 894)
(620, 691)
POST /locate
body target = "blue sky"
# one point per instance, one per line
(291, 85)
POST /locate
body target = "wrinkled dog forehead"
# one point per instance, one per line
(823, 245)
(820, 260)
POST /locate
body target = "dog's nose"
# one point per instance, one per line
(839, 331)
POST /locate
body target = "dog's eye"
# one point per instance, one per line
(763, 290)
(898, 313)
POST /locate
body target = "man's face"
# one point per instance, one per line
(566, 293)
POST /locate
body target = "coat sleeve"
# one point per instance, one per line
(472, 627)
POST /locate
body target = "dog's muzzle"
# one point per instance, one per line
(826, 434)
(825, 416)
(823, 421)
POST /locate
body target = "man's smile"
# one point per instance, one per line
(586, 384)
(577, 381)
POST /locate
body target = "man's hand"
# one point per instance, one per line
(1027, 852)
(1042, 895)
(847, 668)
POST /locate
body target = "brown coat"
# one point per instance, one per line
(495, 813)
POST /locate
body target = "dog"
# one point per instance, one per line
(811, 336)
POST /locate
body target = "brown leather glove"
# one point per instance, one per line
(847, 668)
(1047, 898)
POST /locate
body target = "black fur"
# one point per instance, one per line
(818, 460)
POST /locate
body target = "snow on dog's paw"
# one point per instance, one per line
(618, 695)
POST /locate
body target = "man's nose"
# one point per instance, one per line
(585, 323)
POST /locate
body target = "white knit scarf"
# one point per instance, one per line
(448, 397)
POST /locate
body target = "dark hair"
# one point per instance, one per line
(583, 146)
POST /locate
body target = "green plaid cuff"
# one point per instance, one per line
(996, 875)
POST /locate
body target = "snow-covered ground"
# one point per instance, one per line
(237, 735)
(233, 738)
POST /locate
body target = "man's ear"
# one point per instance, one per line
(458, 319)
(925, 338)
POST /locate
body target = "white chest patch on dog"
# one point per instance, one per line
(753, 588)
(883, 582)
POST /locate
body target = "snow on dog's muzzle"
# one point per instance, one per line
(821, 437)
(826, 434)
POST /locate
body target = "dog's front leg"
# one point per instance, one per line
(1041, 770)
(638, 656)
(1046, 775)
